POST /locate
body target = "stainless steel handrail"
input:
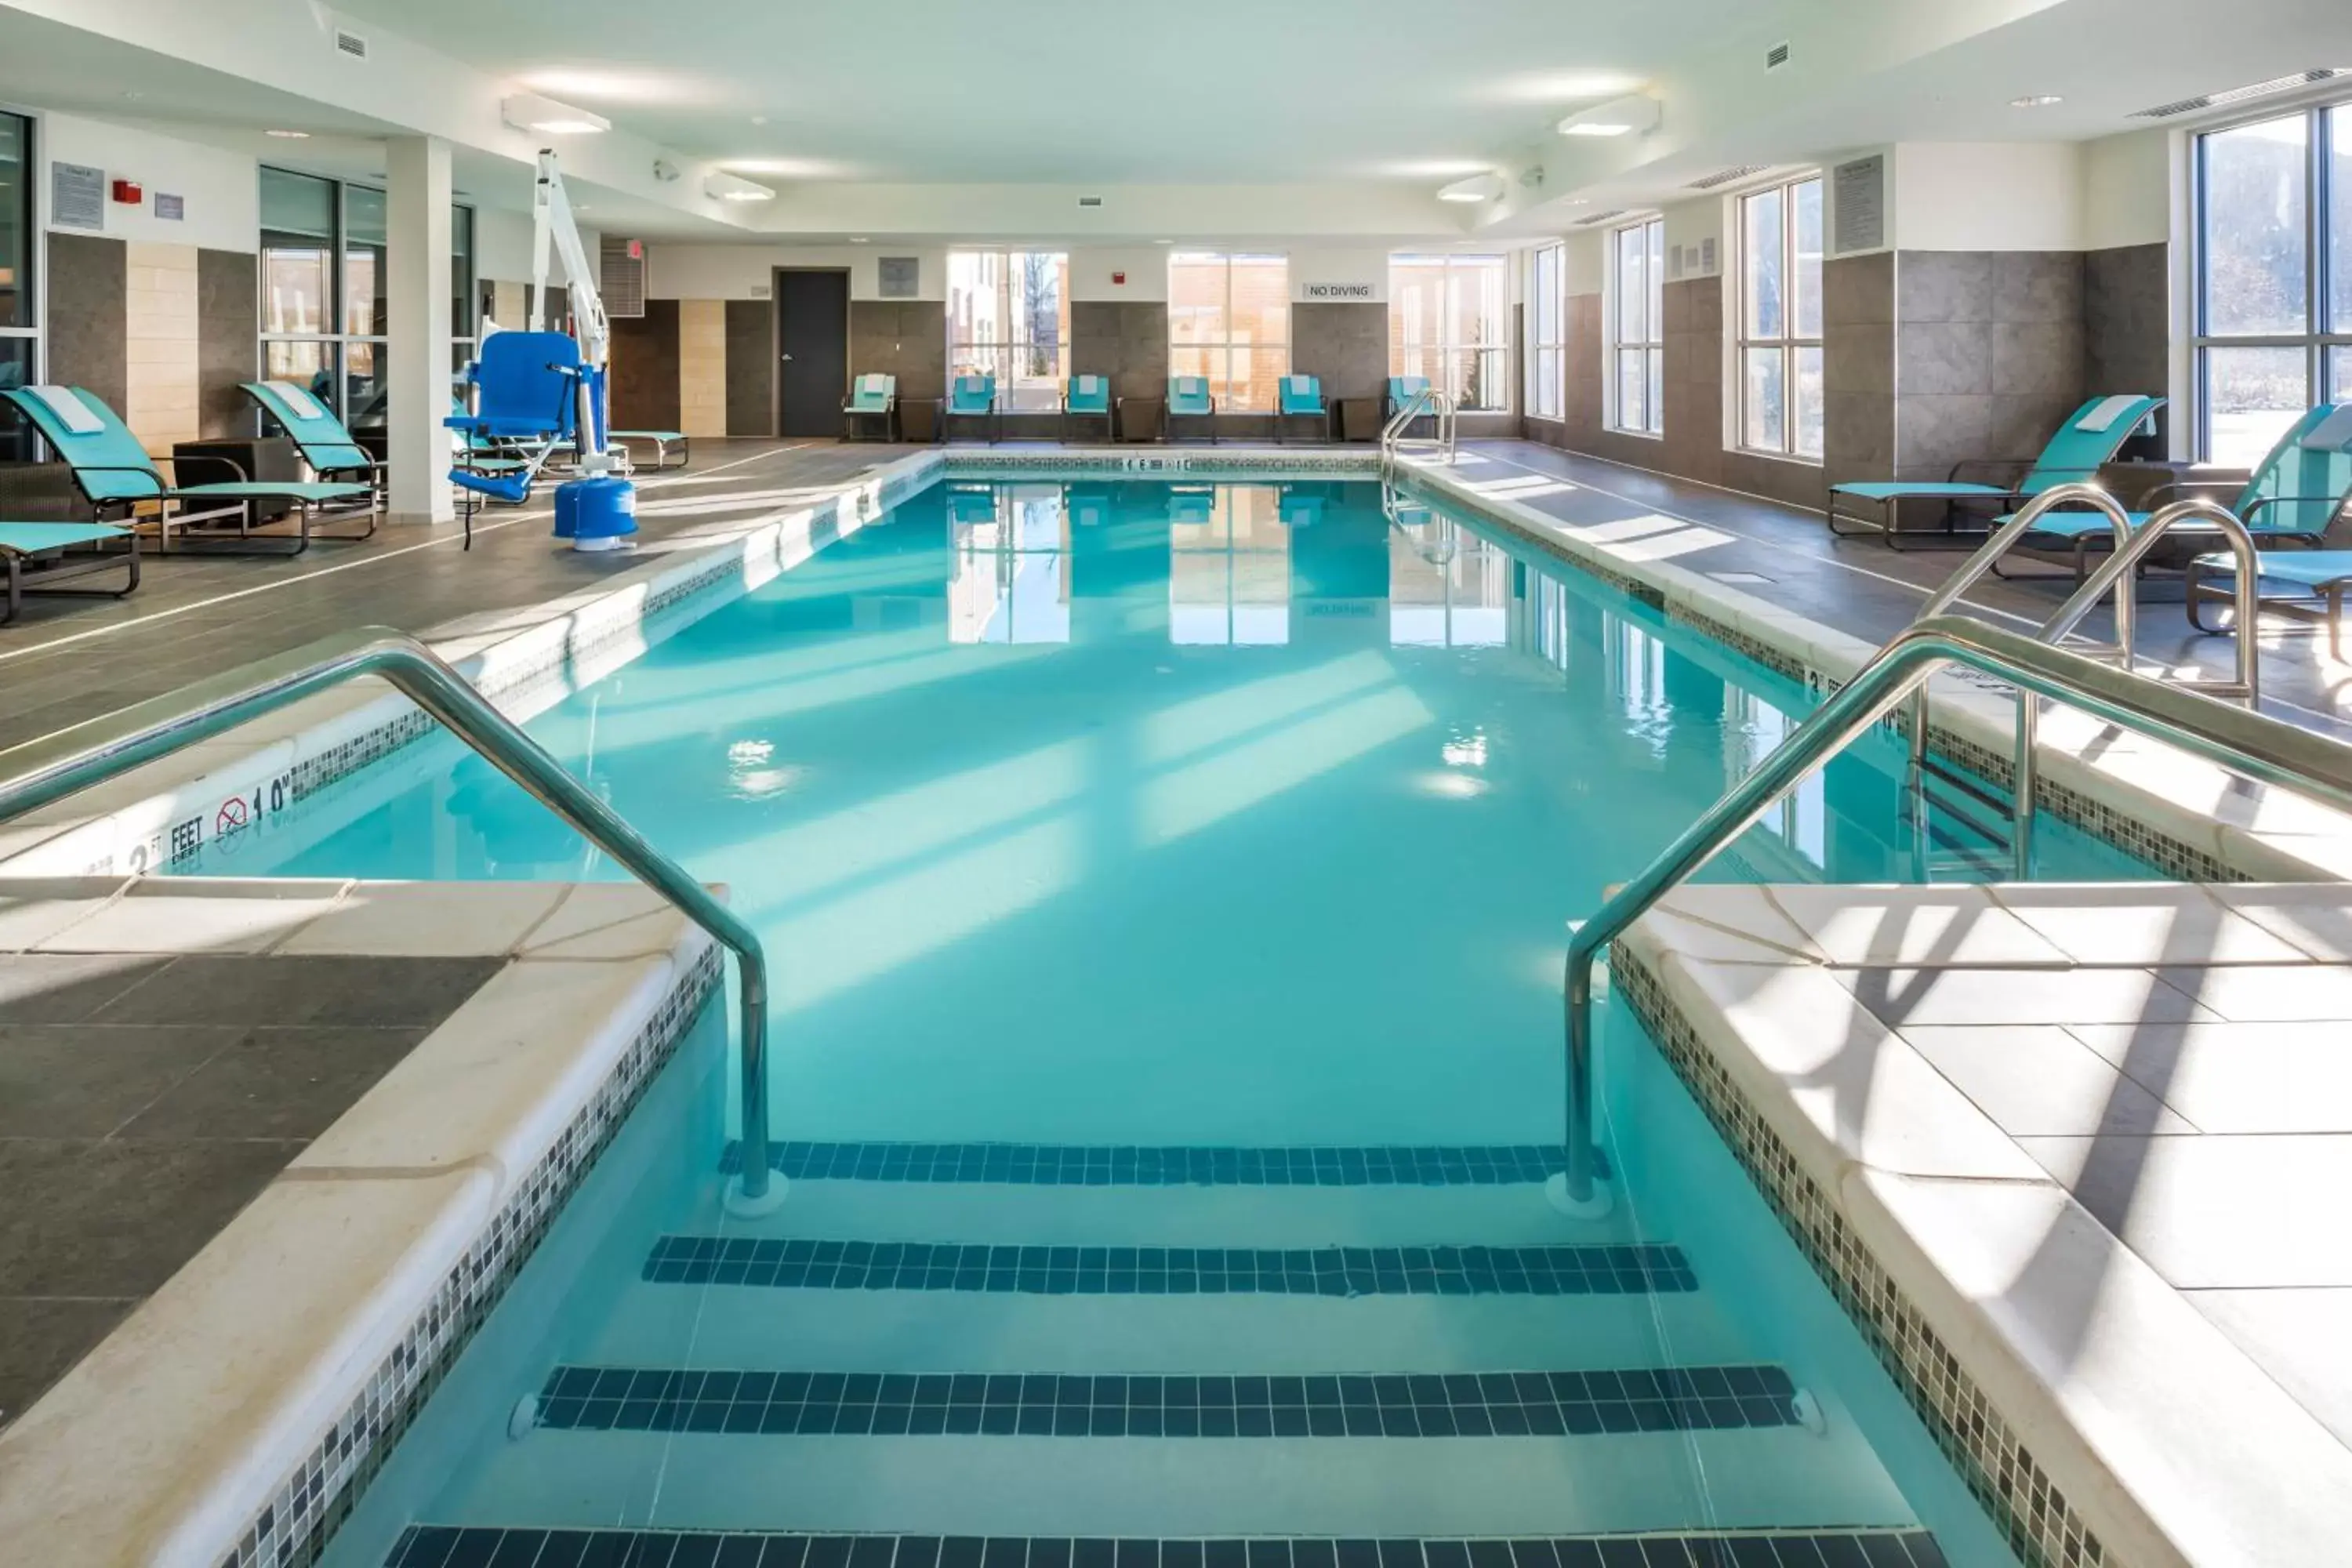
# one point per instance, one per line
(51, 768)
(1427, 401)
(2246, 742)
(2118, 573)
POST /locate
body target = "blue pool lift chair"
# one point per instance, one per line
(1086, 398)
(34, 554)
(116, 476)
(2292, 495)
(873, 401)
(1188, 397)
(1299, 398)
(320, 439)
(971, 396)
(2086, 442)
(525, 411)
(2314, 489)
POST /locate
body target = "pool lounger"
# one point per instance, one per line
(1086, 398)
(2290, 499)
(36, 553)
(115, 474)
(2084, 443)
(320, 439)
(2324, 577)
(1299, 398)
(873, 396)
(1188, 397)
(971, 396)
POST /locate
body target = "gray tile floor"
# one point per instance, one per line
(145, 1101)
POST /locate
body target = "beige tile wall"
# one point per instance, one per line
(163, 391)
(702, 367)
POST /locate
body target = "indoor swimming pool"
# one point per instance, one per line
(1165, 888)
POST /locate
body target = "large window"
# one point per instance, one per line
(324, 314)
(19, 345)
(1449, 319)
(1009, 316)
(1780, 369)
(1637, 333)
(1548, 329)
(1229, 320)
(2273, 332)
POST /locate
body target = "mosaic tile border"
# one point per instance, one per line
(1169, 1165)
(430, 1546)
(804, 1264)
(1050, 1405)
(1364, 463)
(2040, 1525)
(292, 1529)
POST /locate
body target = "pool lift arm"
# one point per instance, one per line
(597, 509)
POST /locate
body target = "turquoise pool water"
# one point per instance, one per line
(1197, 818)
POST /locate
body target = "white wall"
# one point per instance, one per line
(1988, 195)
(1691, 225)
(502, 248)
(222, 190)
(1587, 261)
(748, 271)
(1144, 267)
(2128, 190)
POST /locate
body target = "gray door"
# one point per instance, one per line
(813, 346)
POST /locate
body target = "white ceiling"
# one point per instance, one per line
(1069, 91)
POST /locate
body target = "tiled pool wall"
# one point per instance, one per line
(293, 1528)
(2038, 1522)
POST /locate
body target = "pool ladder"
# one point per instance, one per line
(2241, 739)
(51, 768)
(1935, 785)
(1395, 443)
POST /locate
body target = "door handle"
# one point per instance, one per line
(788, 359)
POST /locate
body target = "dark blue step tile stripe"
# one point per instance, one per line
(1458, 1405)
(1120, 1165)
(803, 1263)
(428, 1546)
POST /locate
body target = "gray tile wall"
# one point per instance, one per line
(88, 327)
(905, 338)
(1346, 345)
(1858, 368)
(2127, 326)
(228, 322)
(1126, 340)
(750, 367)
(1988, 354)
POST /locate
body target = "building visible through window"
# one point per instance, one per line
(1449, 320)
(1779, 367)
(1009, 317)
(1229, 320)
(1637, 348)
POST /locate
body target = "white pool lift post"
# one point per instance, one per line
(600, 504)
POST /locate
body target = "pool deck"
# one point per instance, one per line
(2095, 1136)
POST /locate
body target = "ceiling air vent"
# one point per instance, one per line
(1776, 56)
(1089, 201)
(351, 44)
(1602, 217)
(621, 275)
(2241, 94)
(1726, 176)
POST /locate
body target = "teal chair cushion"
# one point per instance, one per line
(2305, 568)
(872, 394)
(1301, 395)
(972, 395)
(33, 538)
(109, 464)
(1089, 394)
(1189, 395)
(1403, 389)
(2089, 439)
(2304, 482)
(312, 427)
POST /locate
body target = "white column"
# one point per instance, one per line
(416, 289)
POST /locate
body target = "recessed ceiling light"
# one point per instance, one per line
(1163, 242)
(528, 111)
(289, 135)
(2036, 100)
(1619, 117)
(759, 119)
(1476, 188)
(721, 186)
(859, 239)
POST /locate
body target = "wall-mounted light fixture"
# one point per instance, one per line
(1636, 115)
(721, 186)
(530, 112)
(1476, 188)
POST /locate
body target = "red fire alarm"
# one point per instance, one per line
(129, 194)
(1120, 278)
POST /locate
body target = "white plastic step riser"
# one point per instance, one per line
(754, 1329)
(1176, 1488)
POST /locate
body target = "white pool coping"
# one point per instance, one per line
(165, 1442)
(2171, 1439)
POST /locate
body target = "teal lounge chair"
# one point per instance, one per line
(1086, 398)
(1301, 506)
(318, 435)
(873, 396)
(2292, 496)
(2316, 488)
(1400, 391)
(1086, 506)
(35, 554)
(1299, 398)
(115, 473)
(2086, 442)
(971, 397)
(1188, 397)
(1191, 505)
